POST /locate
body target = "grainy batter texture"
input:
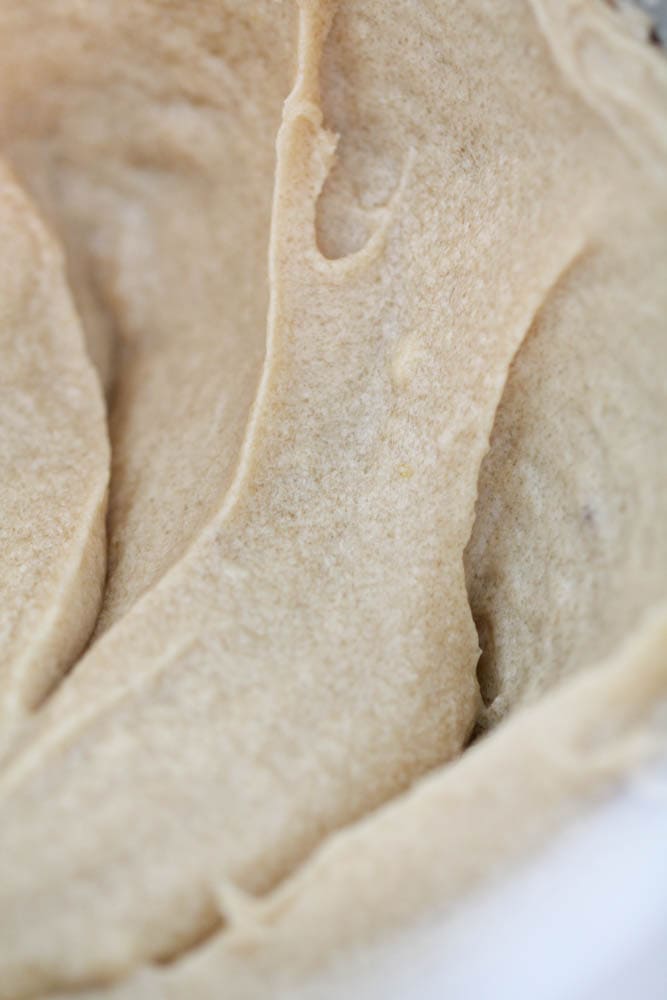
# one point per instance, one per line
(449, 178)
(54, 468)
(569, 544)
(417, 856)
(146, 132)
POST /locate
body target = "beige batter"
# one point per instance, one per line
(450, 179)
(152, 152)
(570, 540)
(54, 468)
(414, 858)
(569, 544)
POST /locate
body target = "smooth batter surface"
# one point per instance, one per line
(312, 652)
